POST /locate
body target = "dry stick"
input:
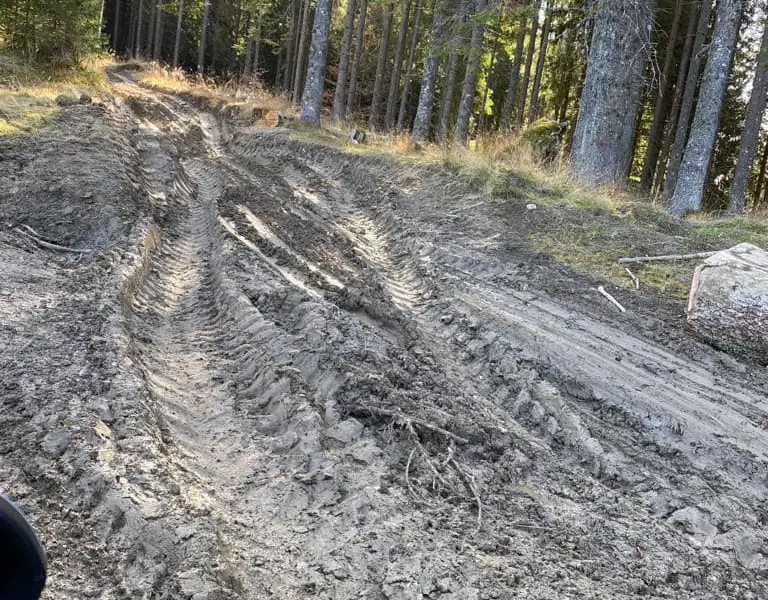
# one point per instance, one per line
(616, 303)
(409, 421)
(633, 277)
(49, 245)
(469, 483)
(433, 468)
(637, 259)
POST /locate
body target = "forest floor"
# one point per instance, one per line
(281, 369)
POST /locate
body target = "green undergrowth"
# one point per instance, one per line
(28, 90)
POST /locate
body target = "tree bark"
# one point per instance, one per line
(177, 41)
(301, 51)
(451, 72)
(533, 111)
(150, 28)
(528, 65)
(312, 98)
(727, 304)
(662, 103)
(689, 189)
(761, 172)
(381, 67)
(292, 46)
(116, 27)
(514, 78)
(203, 36)
(429, 79)
(257, 43)
(471, 73)
(337, 113)
(613, 85)
(248, 58)
(751, 133)
(158, 31)
(397, 67)
(689, 96)
(409, 68)
(359, 42)
(682, 72)
(138, 38)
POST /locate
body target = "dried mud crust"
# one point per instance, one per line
(292, 372)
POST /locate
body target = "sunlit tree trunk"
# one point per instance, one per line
(346, 48)
(751, 133)
(203, 36)
(451, 72)
(404, 97)
(381, 67)
(533, 111)
(689, 189)
(301, 52)
(397, 67)
(662, 103)
(312, 98)
(466, 103)
(613, 86)
(353, 76)
(429, 78)
(528, 65)
(177, 40)
(514, 78)
(689, 97)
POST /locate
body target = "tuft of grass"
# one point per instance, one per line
(249, 101)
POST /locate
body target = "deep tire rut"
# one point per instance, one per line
(346, 397)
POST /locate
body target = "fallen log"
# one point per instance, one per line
(728, 303)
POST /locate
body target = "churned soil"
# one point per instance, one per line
(274, 369)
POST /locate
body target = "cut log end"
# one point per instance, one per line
(728, 303)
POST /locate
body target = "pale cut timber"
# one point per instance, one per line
(728, 303)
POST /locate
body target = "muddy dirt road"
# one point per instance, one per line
(285, 371)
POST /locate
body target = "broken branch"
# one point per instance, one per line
(616, 303)
(633, 277)
(409, 422)
(637, 259)
(49, 245)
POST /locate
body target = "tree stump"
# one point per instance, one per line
(728, 303)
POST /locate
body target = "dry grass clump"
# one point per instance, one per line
(28, 90)
(247, 98)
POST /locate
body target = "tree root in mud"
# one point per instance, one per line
(410, 423)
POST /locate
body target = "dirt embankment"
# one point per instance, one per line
(285, 371)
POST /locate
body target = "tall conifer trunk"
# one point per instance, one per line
(694, 168)
(429, 78)
(471, 73)
(341, 79)
(610, 97)
(312, 98)
(751, 133)
(687, 103)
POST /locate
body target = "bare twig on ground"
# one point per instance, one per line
(638, 259)
(35, 237)
(469, 483)
(408, 470)
(409, 421)
(616, 303)
(437, 475)
(633, 277)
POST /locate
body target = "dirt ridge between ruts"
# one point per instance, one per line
(333, 377)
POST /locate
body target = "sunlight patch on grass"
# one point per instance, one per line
(28, 90)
